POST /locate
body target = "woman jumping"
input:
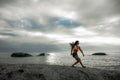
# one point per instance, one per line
(74, 49)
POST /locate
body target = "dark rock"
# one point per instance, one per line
(2, 68)
(9, 74)
(54, 72)
(42, 77)
(42, 54)
(99, 53)
(21, 70)
(111, 75)
(20, 54)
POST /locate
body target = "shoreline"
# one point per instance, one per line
(54, 72)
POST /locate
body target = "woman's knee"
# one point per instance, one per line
(78, 59)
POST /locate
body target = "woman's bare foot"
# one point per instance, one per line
(73, 66)
(83, 66)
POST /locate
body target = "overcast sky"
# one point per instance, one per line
(50, 25)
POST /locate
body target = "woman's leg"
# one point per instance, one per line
(81, 63)
(77, 60)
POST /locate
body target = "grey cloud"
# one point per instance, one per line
(4, 2)
(107, 29)
(66, 22)
(92, 12)
(115, 6)
(100, 48)
(8, 34)
(7, 46)
(51, 25)
(43, 16)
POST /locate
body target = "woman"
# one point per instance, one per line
(74, 49)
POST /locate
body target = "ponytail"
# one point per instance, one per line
(72, 44)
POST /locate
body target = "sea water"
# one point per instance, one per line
(110, 61)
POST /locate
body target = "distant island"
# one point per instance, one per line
(99, 53)
(42, 54)
(20, 54)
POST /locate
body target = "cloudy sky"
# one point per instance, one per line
(50, 25)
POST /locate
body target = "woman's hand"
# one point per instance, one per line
(83, 54)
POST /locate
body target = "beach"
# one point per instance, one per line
(54, 72)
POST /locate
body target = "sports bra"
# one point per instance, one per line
(75, 48)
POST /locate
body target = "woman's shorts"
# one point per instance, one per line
(74, 55)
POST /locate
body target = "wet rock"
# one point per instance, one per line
(20, 54)
(9, 74)
(54, 72)
(111, 75)
(21, 70)
(41, 76)
(2, 68)
(42, 54)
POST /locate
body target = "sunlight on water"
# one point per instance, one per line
(51, 59)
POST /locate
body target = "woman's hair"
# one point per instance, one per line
(72, 44)
(76, 42)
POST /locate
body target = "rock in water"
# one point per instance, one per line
(42, 54)
(20, 54)
(99, 53)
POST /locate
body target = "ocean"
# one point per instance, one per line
(110, 61)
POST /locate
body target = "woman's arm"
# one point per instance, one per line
(81, 51)
(71, 51)
(71, 45)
